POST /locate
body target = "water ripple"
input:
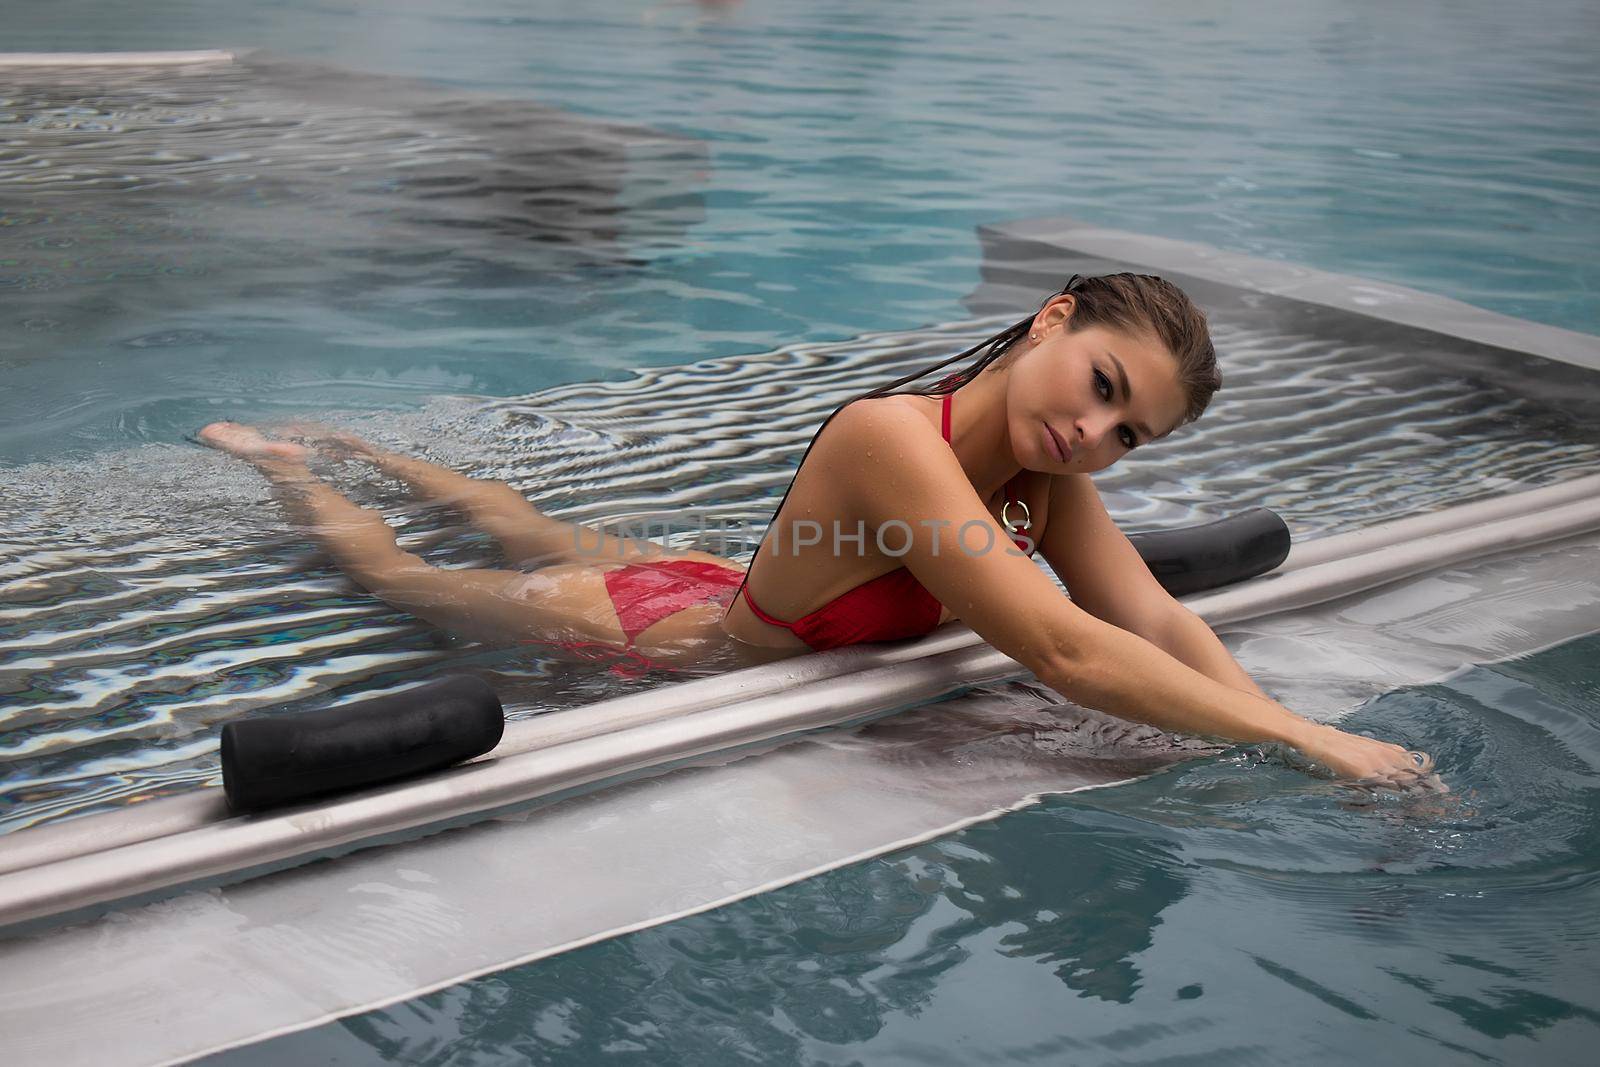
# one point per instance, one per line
(144, 608)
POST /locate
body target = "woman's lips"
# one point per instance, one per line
(1059, 450)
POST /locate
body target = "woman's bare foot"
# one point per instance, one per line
(246, 442)
(333, 440)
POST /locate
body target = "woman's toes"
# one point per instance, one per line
(329, 438)
(228, 436)
(247, 442)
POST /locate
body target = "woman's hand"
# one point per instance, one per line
(1368, 762)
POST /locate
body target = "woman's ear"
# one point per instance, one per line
(1057, 311)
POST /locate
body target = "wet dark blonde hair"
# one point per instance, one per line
(1132, 303)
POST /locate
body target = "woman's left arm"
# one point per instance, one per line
(1186, 637)
(1107, 578)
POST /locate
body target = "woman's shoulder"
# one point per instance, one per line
(882, 418)
(869, 439)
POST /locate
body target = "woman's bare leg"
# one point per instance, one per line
(559, 604)
(527, 535)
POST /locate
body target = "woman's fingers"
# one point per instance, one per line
(1417, 775)
(1370, 763)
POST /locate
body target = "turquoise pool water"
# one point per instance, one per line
(851, 150)
(817, 172)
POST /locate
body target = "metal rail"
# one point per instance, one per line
(111, 59)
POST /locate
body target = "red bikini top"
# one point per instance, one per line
(889, 607)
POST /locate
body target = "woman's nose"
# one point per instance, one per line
(1090, 432)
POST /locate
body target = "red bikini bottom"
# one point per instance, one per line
(645, 593)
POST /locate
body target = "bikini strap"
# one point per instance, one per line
(1013, 498)
(763, 616)
(744, 585)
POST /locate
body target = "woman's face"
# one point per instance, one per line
(1079, 401)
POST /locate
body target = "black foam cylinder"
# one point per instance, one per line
(1218, 553)
(278, 760)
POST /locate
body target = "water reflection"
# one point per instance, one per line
(1222, 908)
(352, 232)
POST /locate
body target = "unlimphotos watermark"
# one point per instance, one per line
(652, 534)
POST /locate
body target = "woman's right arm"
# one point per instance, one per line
(891, 467)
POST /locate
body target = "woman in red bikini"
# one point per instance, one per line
(908, 510)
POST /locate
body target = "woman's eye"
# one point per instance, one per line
(1129, 441)
(1102, 385)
